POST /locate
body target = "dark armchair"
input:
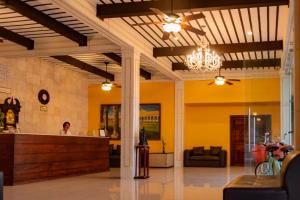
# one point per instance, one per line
(1, 186)
(283, 187)
(199, 157)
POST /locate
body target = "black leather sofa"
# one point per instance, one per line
(1, 186)
(114, 156)
(283, 187)
(200, 157)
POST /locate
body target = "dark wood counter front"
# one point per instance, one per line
(26, 157)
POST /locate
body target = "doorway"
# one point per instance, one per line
(245, 133)
(238, 130)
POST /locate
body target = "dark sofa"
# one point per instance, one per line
(114, 156)
(200, 157)
(283, 187)
(1, 186)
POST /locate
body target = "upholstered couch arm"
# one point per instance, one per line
(186, 155)
(223, 158)
(1, 186)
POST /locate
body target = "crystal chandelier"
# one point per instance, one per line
(203, 59)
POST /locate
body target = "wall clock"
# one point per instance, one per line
(44, 97)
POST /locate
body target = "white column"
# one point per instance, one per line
(297, 74)
(179, 124)
(285, 106)
(129, 110)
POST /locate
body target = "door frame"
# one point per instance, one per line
(232, 117)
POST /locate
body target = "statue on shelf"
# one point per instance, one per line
(143, 138)
(2, 116)
(11, 111)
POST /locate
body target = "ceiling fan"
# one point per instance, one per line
(220, 80)
(107, 85)
(173, 23)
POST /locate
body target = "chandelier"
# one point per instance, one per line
(203, 59)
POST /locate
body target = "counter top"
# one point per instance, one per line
(28, 157)
(41, 134)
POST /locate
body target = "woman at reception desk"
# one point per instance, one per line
(66, 129)
(34, 157)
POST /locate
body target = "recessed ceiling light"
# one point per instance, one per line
(249, 33)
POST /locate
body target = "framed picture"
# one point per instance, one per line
(150, 120)
(150, 117)
(102, 133)
(110, 120)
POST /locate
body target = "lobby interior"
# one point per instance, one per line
(72, 50)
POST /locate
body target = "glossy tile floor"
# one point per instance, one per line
(166, 184)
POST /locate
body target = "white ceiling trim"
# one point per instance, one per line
(58, 46)
(239, 74)
(113, 29)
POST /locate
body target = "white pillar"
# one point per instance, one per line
(285, 106)
(129, 111)
(296, 9)
(179, 183)
(179, 124)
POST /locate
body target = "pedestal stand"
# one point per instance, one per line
(142, 162)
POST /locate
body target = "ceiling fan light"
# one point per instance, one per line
(171, 27)
(106, 86)
(219, 80)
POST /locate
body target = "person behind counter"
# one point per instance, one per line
(66, 129)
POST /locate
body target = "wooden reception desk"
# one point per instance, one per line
(27, 157)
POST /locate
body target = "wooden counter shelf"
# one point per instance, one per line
(27, 157)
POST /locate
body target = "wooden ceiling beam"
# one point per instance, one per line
(115, 57)
(220, 48)
(45, 20)
(143, 8)
(16, 38)
(84, 66)
(238, 64)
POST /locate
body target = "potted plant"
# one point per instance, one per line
(164, 144)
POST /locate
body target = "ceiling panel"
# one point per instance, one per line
(237, 23)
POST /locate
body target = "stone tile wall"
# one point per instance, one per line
(68, 90)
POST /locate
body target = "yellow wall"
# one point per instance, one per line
(155, 92)
(207, 108)
(209, 124)
(248, 90)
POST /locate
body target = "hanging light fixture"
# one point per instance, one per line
(106, 86)
(219, 80)
(203, 59)
(172, 24)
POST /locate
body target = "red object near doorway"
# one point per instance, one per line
(259, 153)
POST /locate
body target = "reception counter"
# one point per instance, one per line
(28, 157)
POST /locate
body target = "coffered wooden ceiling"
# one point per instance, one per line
(227, 25)
(28, 20)
(24, 21)
(91, 61)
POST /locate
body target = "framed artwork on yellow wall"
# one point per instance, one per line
(150, 117)
(110, 120)
(150, 120)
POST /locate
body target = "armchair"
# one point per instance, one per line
(283, 187)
